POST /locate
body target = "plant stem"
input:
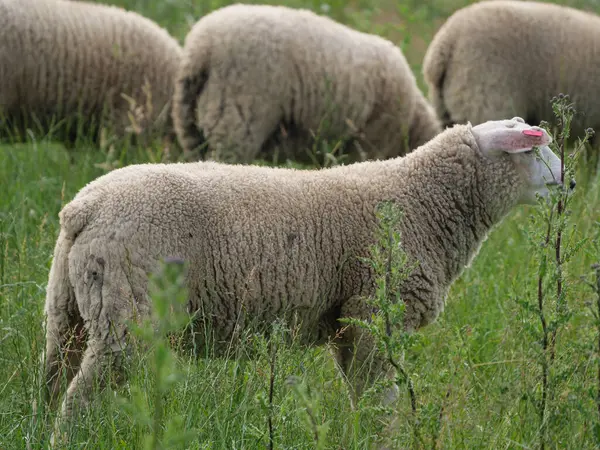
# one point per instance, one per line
(437, 434)
(271, 390)
(542, 411)
(158, 407)
(388, 276)
(399, 368)
(559, 213)
(597, 268)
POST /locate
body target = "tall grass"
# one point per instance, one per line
(476, 373)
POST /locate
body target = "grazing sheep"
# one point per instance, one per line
(62, 60)
(263, 242)
(258, 78)
(497, 59)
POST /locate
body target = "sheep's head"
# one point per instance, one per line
(525, 147)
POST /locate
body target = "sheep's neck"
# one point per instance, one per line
(451, 206)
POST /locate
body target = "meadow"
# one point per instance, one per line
(482, 376)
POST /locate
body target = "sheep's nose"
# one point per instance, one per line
(572, 184)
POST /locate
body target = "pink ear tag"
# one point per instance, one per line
(535, 133)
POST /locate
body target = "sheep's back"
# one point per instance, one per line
(517, 55)
(308, 63)
(279, 241)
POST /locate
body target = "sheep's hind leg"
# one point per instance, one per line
(65, 344)
(65, 334)
(95, 366)
(105, 296)
(98, 359)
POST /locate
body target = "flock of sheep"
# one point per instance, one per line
(262, 242)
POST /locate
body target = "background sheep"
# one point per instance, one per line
(495, 59)
(63, 60)
(268, 242)
(257, 77)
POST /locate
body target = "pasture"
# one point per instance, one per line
(482, 376)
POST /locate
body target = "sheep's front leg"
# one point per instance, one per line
(357, 356)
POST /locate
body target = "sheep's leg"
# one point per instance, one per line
(65, 342)
(109, 296)
(98, 359)
(357, 356)
(96, 363)
(65, 336)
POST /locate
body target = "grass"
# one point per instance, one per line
(476, 371)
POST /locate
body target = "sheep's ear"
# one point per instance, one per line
(510, 136)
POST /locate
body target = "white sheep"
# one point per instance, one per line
(256, 79)
(503, 58)
(61, 61)
(263, 242)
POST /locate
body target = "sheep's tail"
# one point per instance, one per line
(187, 89)
(435, 65)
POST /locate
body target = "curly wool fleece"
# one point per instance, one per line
(63, 60)
(503, 58)
(264, 242)
(250, 71)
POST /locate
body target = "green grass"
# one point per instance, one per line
(476, 370)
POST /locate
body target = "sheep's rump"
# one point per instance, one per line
(500, 58)
(258, 77)
(63, 60)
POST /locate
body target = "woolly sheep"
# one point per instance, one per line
(62, 59)
(264, 242)
(256, 79)
(501, 58)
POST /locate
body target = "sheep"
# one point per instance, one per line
(61, 60)
(501, 58)
(266, 243)
(260, 79)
